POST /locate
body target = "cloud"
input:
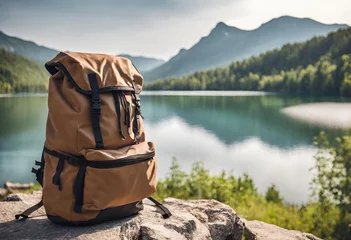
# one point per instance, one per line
(156, 28)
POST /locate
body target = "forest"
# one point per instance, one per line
(19, 74)
(320, 66)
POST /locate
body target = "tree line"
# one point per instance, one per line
(19, 74)
(327, 214)
(320, 66)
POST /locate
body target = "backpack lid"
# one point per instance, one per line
(112, 72)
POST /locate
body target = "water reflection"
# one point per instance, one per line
(244, 133)
(266, 164)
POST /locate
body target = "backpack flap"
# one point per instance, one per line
(112, 72)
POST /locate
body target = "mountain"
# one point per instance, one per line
(225, 44)
(19, 74)
(27, 49)
(144, 63)
(320, 66)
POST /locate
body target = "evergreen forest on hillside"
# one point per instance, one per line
(19, 74)
(320, 66)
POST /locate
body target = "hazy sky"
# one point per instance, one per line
(157, 28)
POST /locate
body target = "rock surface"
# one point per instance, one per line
(3, 192)
(195, 219)
(18, 186)
(257, 230)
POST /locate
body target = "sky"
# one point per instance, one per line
(154, 28)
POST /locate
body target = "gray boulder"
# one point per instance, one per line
(192, 219)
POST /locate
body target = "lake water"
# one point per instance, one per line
(239, 131)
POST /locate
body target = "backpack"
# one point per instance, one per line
(96, 164)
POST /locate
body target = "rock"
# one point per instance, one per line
(193, 219)
(257, 230)
(197, 219)
(18, 186)
(3, 192)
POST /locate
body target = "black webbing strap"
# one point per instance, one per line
(136, 118)
(166, 213)
(78, 189)
(29, 211)
(137, 112)
(126, 107)
(39, 173)
(73, 160)
(118, 111)
(95, 110)
(56, 177)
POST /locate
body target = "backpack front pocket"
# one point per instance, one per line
(112, 178)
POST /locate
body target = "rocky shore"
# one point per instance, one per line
(191, 219)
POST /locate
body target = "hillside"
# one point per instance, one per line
(19, 74)
(225, 44)
(27, 49)
(320, 66)
(144, 63)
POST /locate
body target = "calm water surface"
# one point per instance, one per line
(237, 131)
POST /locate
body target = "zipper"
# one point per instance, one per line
(121, 162)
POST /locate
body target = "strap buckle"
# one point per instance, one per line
(96, 104)
(75, 161)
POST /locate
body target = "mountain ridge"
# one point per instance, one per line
(143, 63)
(41, 54)
(26, 48)
(225, 44)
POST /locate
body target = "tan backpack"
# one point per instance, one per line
(96, 164)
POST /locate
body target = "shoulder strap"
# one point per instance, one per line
(166, 213)
(29, 211)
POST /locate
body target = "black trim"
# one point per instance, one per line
(121, 162)
(29, 211)
(95, 110)
(107, 214)
(52, 69)
(166, 213)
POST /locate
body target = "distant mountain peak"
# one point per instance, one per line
(225, 44)
(221, 26)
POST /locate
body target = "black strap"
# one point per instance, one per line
(73, 160)
(56, 178)
(29, 211)
(126, 107)
(118, 111)
(78, 189)
(136, 118)
(95, 110)
(39, 173)
(166, 213)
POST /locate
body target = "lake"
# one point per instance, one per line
(245, 132)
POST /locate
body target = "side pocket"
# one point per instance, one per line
(117, 177)
(60, 202)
